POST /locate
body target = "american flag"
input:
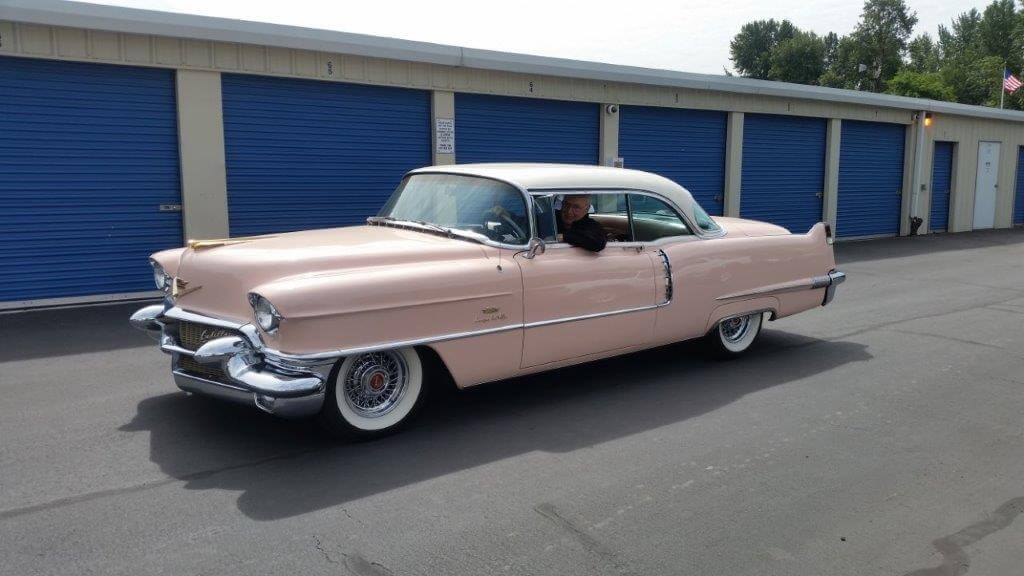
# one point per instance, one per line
(1010, 82)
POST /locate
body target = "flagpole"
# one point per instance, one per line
(1002, 88)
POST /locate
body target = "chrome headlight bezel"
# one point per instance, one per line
(160, 277)
(266, 315)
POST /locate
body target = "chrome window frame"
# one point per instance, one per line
(696, 231)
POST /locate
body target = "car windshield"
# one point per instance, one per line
(483, 206)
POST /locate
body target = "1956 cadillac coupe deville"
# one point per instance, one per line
(464, 268)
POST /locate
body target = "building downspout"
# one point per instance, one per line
(915, 182)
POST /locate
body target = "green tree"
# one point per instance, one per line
(750, 50)
(800, 59)
(920, 85)
(996, 31)
(844, 69)
(924, 54)
(881, 37)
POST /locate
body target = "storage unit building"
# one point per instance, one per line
(127, 131)
(685, 146)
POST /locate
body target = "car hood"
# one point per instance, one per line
(750, 228)
(216, 279)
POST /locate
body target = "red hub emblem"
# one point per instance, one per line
(377, 381)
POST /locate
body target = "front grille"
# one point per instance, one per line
(191, 336)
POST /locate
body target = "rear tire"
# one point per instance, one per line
(732, 337)
(374, 394)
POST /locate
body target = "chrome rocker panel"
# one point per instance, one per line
(285, 390)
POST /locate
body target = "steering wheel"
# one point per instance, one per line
(507, 219)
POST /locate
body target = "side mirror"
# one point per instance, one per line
(536, 246)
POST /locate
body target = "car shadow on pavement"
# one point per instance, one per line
(286, 468)
(78, 331)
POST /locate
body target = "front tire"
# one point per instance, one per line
(734, 336)
(373, 394)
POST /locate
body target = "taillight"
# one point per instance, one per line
(829, 239)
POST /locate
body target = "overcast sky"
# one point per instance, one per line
(678, 35)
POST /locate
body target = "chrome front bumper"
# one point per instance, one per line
(290, 389)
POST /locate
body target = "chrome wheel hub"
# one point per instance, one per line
(734, 329)
(375, 383)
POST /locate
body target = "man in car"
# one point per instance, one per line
(575, 225)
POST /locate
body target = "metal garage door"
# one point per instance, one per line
(783, 170)
(1018, 203)
(307, 154)
(870, 179)
(942, 171)
(88, 155)
(507, 129)
(686, 146)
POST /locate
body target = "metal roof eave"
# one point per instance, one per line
(137, 21)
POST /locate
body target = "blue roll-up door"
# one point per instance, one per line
(870, 178)
(783, 175)
(942, 172)
(509, 129)
(88, 154)
(1018, 202)
(685, 146)
(307, 154)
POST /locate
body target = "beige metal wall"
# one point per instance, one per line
(967, 133)
(202, 179)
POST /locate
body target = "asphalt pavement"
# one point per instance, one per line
(879, 435)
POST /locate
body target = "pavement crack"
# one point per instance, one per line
(320, 548)
(955, 560)
(589, 543)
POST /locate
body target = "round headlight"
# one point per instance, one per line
(160, 278)
(267, 317)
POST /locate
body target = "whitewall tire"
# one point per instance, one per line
(734, 336)
(373, 394)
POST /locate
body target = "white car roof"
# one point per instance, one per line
(573, 176)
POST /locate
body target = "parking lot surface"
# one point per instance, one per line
(879, 435)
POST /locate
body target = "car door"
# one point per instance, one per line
(578, 303)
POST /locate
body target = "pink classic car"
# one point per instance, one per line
(467, 273)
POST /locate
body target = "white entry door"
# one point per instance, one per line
(985, 190)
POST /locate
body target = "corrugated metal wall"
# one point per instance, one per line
(88, 154)
(307, 154)
(783, 177)
(685, 146)
(1018, 203)
(507, 129)
(942, 172)
(870, 179)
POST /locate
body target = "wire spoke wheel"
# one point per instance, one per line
(733, 336)
(375, 383)
(735, 329)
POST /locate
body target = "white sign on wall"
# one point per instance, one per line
(444, 130)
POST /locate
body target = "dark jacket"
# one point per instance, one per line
(585, 233)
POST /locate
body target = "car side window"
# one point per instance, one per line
(611, 212)
(544, 217)
(654, 219)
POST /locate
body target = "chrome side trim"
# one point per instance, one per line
(668, 275)
(798, 286)
(590, 316)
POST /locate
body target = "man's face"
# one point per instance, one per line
(574, 208)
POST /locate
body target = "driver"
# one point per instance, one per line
(575, 225)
